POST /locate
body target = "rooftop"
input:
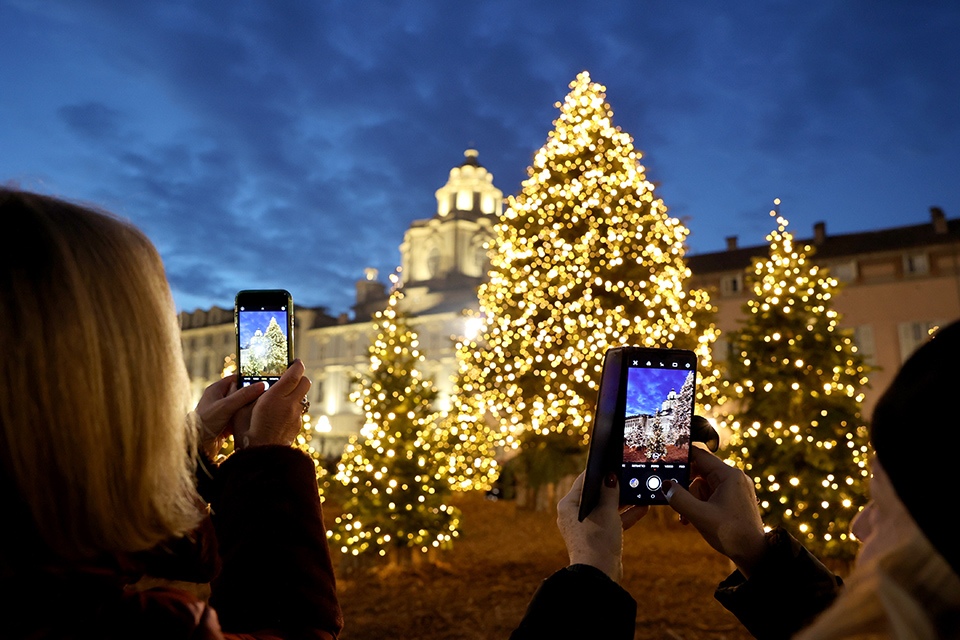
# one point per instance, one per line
(937, 232)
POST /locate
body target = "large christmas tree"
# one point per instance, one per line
(587, 258)
(398, 494)
(797, 376)
(277, 359)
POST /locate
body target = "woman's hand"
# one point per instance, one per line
(221, 409)
(722, 505)
(277, 414)
(598, 540)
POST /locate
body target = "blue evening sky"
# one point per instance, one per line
(648, 388)
(281, 143)
(251, 321)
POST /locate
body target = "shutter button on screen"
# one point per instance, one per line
(654, 483)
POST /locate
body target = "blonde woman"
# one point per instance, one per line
(906, 580)
(902, 587)
(98, 456)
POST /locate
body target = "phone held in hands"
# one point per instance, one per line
(263, 319)
(641, 428)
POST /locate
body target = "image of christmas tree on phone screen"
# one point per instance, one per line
(263, 344)
(657, 417)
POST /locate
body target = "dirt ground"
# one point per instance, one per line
(480, 589)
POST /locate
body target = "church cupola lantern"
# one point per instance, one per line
(446, 256)
(469, 190)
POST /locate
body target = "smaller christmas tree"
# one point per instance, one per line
(797, 378)
(465, 441)
(464, 444)
(657, 446)
(398, 493)
(253, 357)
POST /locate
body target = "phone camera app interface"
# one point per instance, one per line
(263, 343)
(656, 437)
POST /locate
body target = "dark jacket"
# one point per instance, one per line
(579, 601)
(785, 592)
(264, 547)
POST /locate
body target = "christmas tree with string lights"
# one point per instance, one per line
(588, 258)
(797, 378)
(464, 443)
(397, 503)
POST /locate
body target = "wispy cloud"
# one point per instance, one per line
(288, 143)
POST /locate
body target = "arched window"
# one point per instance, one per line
(487, 204)
(464, 200)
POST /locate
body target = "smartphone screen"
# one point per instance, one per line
(659, 389)
(264, 326)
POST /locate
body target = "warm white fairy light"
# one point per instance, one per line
(397, 489)
(587, 258)
(798, 381)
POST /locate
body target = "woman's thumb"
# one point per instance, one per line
(682, 501)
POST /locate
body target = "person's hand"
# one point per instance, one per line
(221, 408)
(702, 431)
(722, 505)
(598, 540)
(277, 414)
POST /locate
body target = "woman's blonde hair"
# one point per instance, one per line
(904, 590)
(93, 430)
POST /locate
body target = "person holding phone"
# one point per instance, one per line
(906, 580)
(588, 590)
(105, 479)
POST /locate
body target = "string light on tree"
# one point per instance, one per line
(398, 492)
(587, 258)
(797, 427)
(464, 442)
(306, 442)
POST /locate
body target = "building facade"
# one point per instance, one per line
(897, 285)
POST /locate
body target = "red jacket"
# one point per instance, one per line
(264, 552)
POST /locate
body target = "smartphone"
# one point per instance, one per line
(642, 424)
(263, 319)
